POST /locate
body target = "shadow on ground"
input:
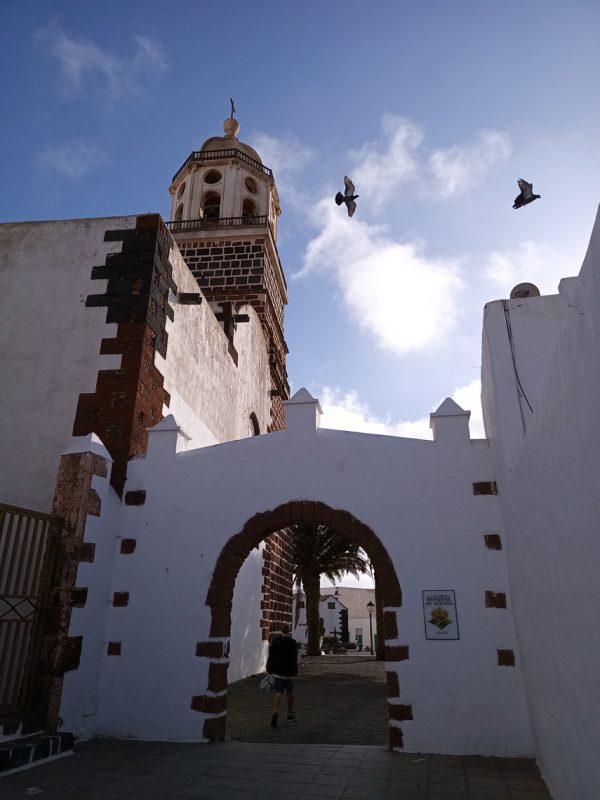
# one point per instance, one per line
(339, 700)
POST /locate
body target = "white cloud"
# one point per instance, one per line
(377, 171)
(458, 168)
(469, 398)
(406, 300)
(286, 156)
(346, 411)
(73, 158)
(87, 68)
(530, 262)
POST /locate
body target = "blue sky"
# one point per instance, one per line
(434, 108)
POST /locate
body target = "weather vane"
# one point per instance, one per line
(232, 107)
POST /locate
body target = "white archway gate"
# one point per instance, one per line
(426, 513)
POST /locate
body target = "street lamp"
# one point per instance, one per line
(370, 608)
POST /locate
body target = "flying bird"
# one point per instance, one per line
(348, 197)
(526, 196)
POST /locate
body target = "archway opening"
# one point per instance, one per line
(261, 527)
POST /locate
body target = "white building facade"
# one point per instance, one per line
(175, 542)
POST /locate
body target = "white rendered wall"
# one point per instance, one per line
(330, 616)
(248, 652)
(535, 325)
(415, 495)
(212, 398)
(49, 345)
(355, 598)
(551, 508)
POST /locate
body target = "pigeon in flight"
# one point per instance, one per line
(526, 196)
(348, 197)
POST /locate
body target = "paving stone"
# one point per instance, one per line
(449, 790)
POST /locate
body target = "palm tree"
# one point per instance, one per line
(319, 550)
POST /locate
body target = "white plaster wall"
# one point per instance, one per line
(330, 616)
(536, 324)
(415, 495)
(211, 397)
(551, 508)
(247, 653)
(49, 345)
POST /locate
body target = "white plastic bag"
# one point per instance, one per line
(267, 684)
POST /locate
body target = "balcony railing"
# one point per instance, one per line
(176, 226)
(233, 152)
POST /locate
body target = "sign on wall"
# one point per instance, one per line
(439, 611)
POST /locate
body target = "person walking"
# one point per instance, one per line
(282, 664)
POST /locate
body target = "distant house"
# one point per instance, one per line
(343, 613)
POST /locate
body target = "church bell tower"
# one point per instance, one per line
(224, 213)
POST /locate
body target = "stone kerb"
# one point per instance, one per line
(74, 499)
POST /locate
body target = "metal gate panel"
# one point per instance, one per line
(27, 548)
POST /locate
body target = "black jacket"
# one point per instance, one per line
(283, 657)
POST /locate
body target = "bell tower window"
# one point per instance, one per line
(211, 206)
(179, 212)
(248, 210)
(212, 176)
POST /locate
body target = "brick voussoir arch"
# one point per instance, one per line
(220, 594)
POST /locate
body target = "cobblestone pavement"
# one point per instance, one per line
(107, 769)
(339, 700)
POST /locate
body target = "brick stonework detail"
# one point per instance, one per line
(59, 653)
(214, 729)
(485, 487)
(393, 684)
(78, 597)
(87, 552)
(209, 704)
(396, 652)
(396, 741)
(217, 677)
(495, 600)
(127, 546)
(120, 599)
(506, 658)
(277, 582)
(128, 400)
(245, 271)
(113, 649)
(400, 712)
(135, 498)
(493, 541)
(210, 649)
(390, 626)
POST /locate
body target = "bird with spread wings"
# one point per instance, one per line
(348, 197)
(526, 195)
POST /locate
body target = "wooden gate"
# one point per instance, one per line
(27, 550)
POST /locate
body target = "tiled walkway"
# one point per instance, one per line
(337, 748)
(120, 770)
